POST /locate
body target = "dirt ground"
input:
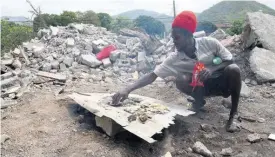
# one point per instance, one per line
(43, 124)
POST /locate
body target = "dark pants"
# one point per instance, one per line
(228, 82)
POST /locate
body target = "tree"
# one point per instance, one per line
(13, 35)
(67, 17)
(206, 26)
(88, 17)
(121, 22)
(150, 25)
(105, 20)
(237, 27)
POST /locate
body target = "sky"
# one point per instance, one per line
(113, 7)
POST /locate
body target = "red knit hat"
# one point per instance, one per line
(186, 20)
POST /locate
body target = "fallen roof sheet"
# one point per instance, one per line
(145, 131)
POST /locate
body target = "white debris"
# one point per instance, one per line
(271, 137)
(90, 60)
(253, 138)
(106, 62)
(200, 148)
(70, 42)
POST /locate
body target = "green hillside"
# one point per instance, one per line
(133, 14)
(229, 11)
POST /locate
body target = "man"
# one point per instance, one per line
(219, 79)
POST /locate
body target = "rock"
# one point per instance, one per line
(12, 95)
(8, 81)
(108, 80)
(54, 30)
(76, 52)
(6, 75)
(271, 137)
(62, 67)
(261, 120)
(227, 152)
(168, 154)
(200, 148)
(245, 91)
(16, 52)
(254, 33)
(17, 64)
(55, 64)
(7, 103)
(12, 89)
(115, 55)
(54, 55)
(70, 42)
(229, 41)
(253, 138)
(79, 27)
(68, 61)
(7, 61)
(106, 62)
(75, 64)
(4, 138)
(206, 127)
(262, 64)
(90, 60)
(219, 34)
(253, 82)
(49, 58)
(210, 135)
(47, 67)
(52, 76)
(199, 34)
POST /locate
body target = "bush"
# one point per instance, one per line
(150, 25)
(121, 22)
(12, 35)
(105, 20)
(237, 28)
(88, 17)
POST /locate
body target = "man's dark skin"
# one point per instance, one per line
(185, 43)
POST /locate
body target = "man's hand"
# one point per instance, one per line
(204, 74)
(120, 96)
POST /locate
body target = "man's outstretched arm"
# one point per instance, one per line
(143, 81)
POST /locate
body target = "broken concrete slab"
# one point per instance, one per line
(120, 116)
(90, 60)
(47, 67)
(6, 61)
(115, 55)
(201, 149)
(70, 42)
(59, 77)
(6, 75)
(106, 62)
(8, 81)
(254, 32)
(17, 64)
(262, 64)
(54, 30)
(68, 61)
(271, 137)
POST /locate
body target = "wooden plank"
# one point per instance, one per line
(53, 76)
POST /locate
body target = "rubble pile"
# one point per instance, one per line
(59, 54)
